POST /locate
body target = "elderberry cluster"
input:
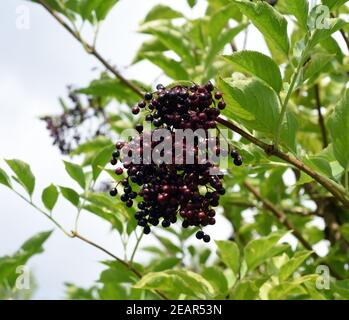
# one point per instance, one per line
(166, 192)
(75, 124)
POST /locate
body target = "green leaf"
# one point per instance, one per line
(292, 288)
(107, 215)
(71, 195)
(230, 255)
(258, 251)
(165, 263)
(104, 7)
(177, 282)
(334, 4)
(49, 196)
(338, 124)
(100, 160)
(170, 67)
(244, 290)
(341, 287)
(217, 278)
(76, 173)
(110, 87)
(92, 146)
(258, 65)
(162, 12)
(255, 103)
(219, 43)
(9, 264)
(150, 46)
(293, 264)
(172, 38)
(192, 3)
(318, 62)
(23, 173)
(4, 179)
(344, 229)
(219, 20)
(269, 22)
(298, 8)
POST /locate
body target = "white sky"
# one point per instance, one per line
(35, 67)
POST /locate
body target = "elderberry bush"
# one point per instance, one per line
(166, 192)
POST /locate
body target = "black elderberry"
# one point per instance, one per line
(135, 110)
(116, 154)
(199, 235)
(139, 128)
(146, 229)
(166, 223)
(168, 191)
(238, 160)
(142, 104)
(149, 118)
(113, 192)
(206, 238)
(148, 96)
(124, 198)
(129, 203)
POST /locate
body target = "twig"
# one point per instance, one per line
(270, 150)
(136, 247)
(91, 50)
(321, 118)
(130, 267)
(282, 217)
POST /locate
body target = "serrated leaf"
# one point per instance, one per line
(293, 264)
(230, 254)
(269, 22)
(258, 251)
(4, 179)
(298, 8)
(49, 196)
(23, 173)
(338, 124)
(76, 173)
(71, 195)
(258, 65)
(255, 103)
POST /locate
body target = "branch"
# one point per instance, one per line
(270, 150)
(132, 269)
(282, 217)
(92, 50)
(321, 118)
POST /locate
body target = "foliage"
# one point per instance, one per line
(285, 106)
